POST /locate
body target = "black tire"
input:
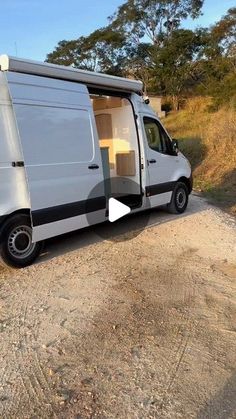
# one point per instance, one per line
(17, 249)
(179, 199)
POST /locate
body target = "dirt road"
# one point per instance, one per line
(135, 328)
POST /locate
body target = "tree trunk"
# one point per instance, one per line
(175, 102)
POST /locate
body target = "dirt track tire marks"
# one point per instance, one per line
(9, 374)
(139, 329)
(182, 294)
(30, 378)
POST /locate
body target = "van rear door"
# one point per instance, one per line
(61, 153)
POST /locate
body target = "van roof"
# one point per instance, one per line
(90, 78)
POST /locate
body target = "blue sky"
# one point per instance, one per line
(32, 28)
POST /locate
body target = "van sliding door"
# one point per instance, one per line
(61, 153)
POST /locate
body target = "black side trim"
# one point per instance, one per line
(61, 212)
(93, 90)
(160, 188)
(191, 182)
(2, 220)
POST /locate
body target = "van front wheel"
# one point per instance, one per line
(17, 249)
(179, 199)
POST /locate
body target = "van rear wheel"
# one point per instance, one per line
(179, 199)
(17, 249)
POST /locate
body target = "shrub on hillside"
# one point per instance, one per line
(209, 141)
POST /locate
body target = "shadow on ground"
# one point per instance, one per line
(194, 149)
(224, 193)
(125, 229)
(223, 404)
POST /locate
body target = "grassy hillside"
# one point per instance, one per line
(209, 141)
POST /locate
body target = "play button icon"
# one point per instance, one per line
(107, 217)
(117, 210)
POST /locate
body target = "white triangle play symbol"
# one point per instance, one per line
(117, 210)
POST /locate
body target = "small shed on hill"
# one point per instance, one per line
(155, 102)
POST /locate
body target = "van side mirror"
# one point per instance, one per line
(175, 145)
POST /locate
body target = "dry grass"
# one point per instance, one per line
(209, 141)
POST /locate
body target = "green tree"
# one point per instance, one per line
(164, 62)
(121, 47)
(138, 62)
(103, 50)
(174, 68)
(218, 64)
(154, 19)
(73, 53)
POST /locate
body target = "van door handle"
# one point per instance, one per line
(93, 166)
(152, 161)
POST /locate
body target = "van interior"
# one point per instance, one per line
(119, 148)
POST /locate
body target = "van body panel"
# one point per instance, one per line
(13, 188)
(9, 142)
(43, 91)
(56, 128)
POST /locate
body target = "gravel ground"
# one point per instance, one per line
(128, 327)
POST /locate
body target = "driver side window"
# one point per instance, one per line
(156, 136)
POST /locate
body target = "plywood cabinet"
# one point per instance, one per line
(125, 163)
(104, 126)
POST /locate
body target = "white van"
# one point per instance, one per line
(65, 133)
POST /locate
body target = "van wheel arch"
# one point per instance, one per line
(179, 198)
(187, 182)
(23, 211)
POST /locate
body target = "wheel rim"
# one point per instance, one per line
(20, 242)
(181, 198)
